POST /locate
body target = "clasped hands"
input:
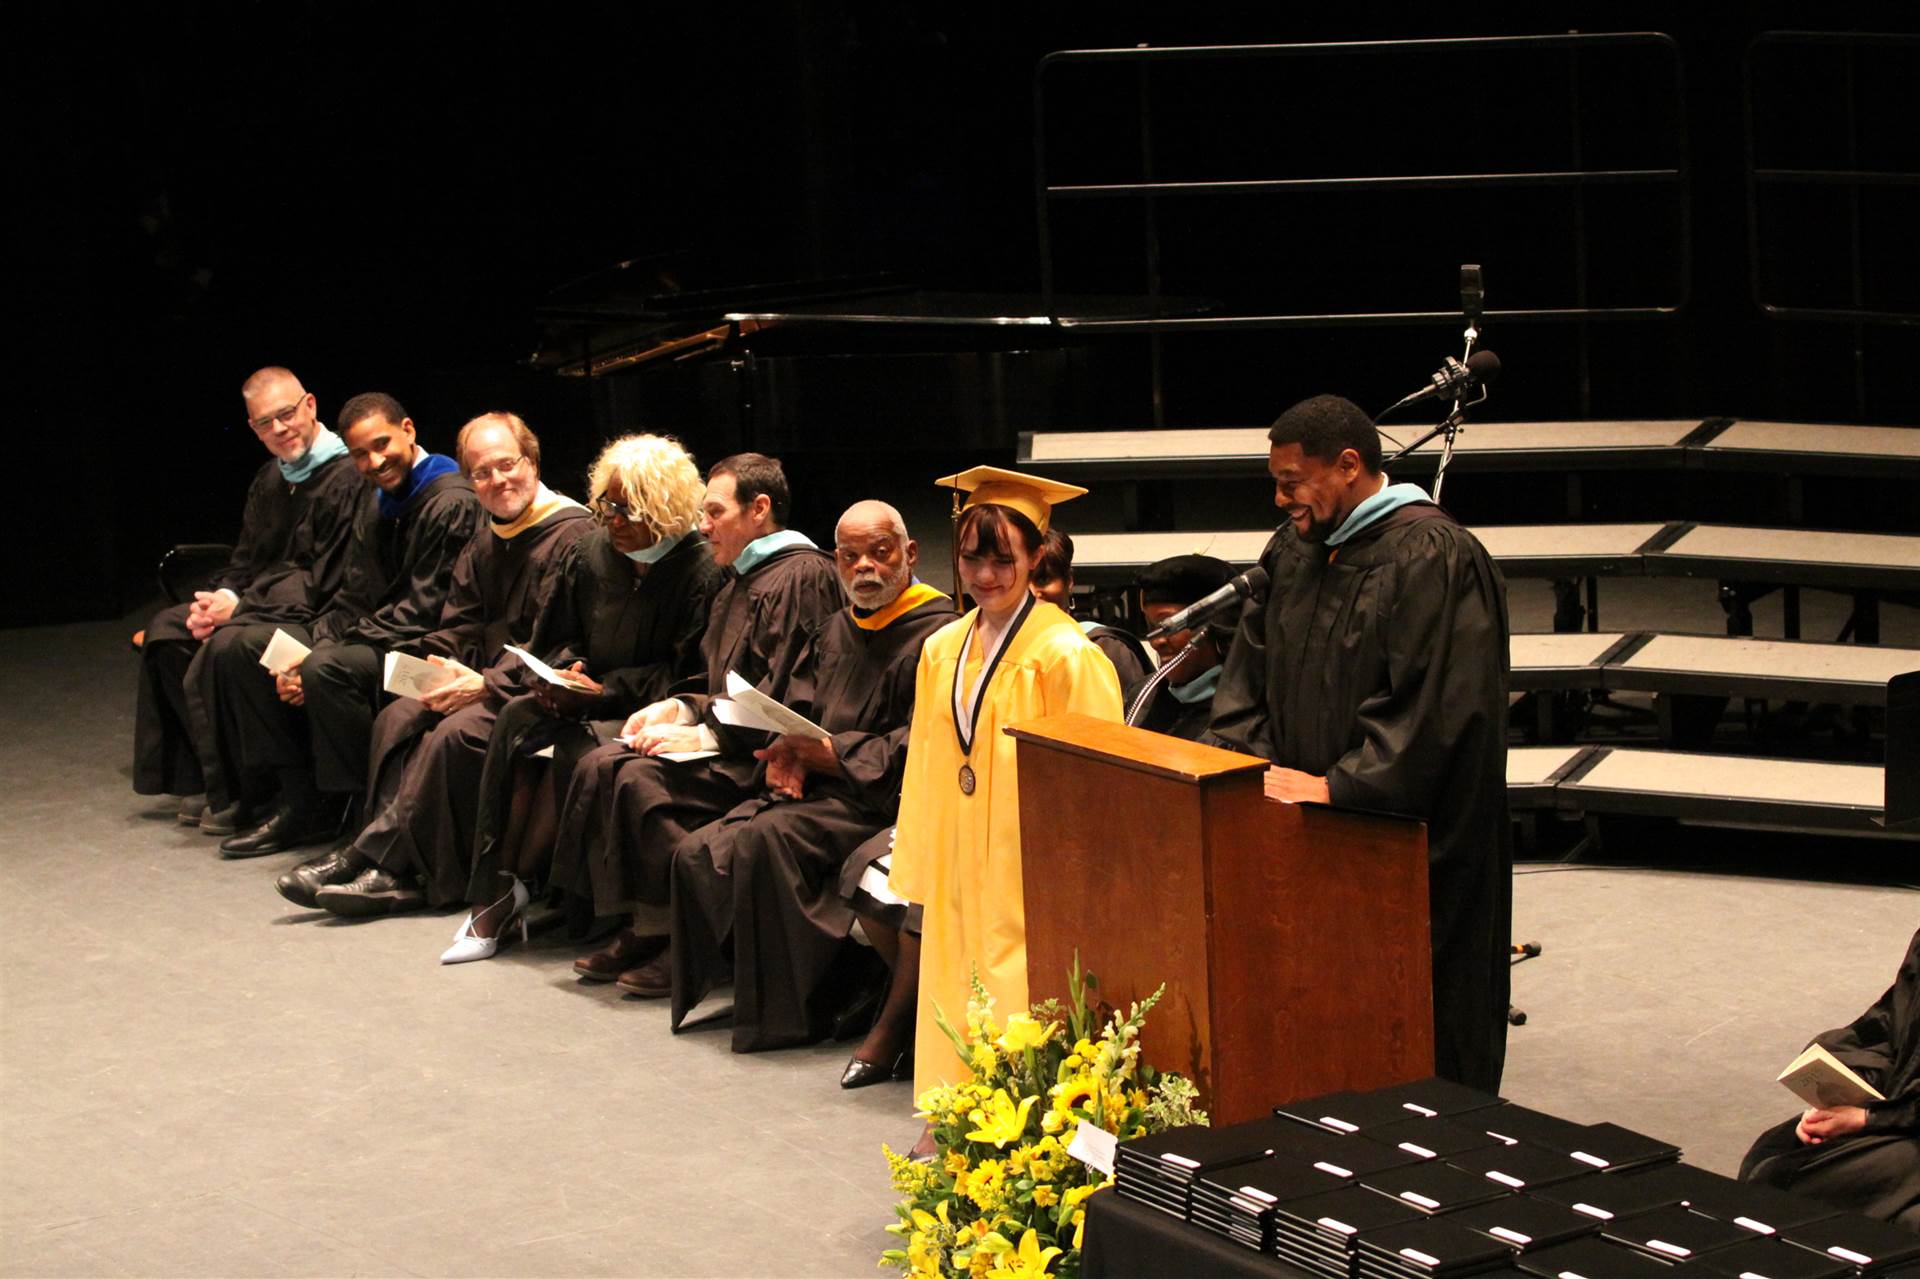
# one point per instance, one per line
(465, 688)
(1823, 1123)
(662, 728)
(208, 610)
(790, 758)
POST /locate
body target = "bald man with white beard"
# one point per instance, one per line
(757, 892)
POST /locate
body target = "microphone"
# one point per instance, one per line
(1248, 584)
(1454, 377)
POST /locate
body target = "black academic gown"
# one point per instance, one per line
(765, 877)
(425, 767)
(167, 728)
(1877, 1170)
(399, 571)
(1383, 667)
(624, 813)
(1168, 714)
(1132, 659)
(639, 638)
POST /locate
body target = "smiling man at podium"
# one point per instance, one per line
(1374, 676)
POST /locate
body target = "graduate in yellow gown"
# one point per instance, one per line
(1012, 659)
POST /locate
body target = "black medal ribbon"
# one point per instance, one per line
(965, 726)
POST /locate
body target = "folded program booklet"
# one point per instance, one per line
(1820, 1079)
(560, 679)
(411, 677)
(283, 651)
(747, 707)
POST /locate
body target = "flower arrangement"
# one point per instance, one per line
(1002, 1198)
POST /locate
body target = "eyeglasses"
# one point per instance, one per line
(283, 416)
(605, 508)
(499, 470)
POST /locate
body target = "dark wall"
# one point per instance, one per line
(379, 195)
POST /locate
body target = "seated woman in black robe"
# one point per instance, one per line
(1863, 1159)
(891, 925)
(640, 594)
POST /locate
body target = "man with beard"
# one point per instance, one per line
(506, 590)
(289, 560)
(757, 892)
(1374, 676)
(628, 806)
(404, 548)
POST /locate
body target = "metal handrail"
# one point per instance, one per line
(1046, 192)
(1851, 177)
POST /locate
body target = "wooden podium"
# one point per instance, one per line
(1293, 938)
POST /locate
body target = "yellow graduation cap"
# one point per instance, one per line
(1033, 496)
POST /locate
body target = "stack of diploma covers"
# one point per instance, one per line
(1434, 1179)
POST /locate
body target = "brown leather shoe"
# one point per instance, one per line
(628, 949)
(652, 980)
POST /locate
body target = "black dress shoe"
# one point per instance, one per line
(337, 866)
(372, 892)
(192, 809)
(229, 820)
(860, 1074)
(287, 828)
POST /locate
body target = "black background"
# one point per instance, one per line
(380, 195)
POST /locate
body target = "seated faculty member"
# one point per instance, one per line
(627, 808)
(306, 726)
(1862, 1159)
(756, 894)
(295, 526)
(1013, 657)
(506, 589)
(1374, 676)
(1183, 704)
(641, 589)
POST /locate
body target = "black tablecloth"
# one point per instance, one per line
(1125, 1239)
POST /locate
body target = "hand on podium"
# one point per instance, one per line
(1290, 786)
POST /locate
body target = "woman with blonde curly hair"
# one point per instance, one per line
(639, 592)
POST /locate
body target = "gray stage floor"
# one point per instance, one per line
(197, 1079)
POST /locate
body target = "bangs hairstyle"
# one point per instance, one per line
(1054, 563)
(522, 434)
(988, 529)
(659, 478)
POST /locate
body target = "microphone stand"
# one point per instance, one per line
(1450, 424)
(1144, 698)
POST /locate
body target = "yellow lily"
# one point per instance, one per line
(999, 1120)
(1030, 1261)
(1023, 1032)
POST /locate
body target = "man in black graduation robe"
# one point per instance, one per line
(756, 893)
(627, 809)
(307, 726)
(1374, 675)
(1862, 1159)
(288, 563)
(506, 589)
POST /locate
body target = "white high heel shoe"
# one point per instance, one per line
(466, 947)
